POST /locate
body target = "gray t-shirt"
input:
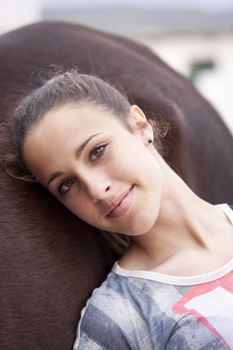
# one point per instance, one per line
(135, 309)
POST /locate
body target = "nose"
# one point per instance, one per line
(97, 186)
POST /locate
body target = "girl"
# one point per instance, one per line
(172, 287)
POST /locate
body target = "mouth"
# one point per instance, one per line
(122, 205)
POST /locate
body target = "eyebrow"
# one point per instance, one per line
(79, 151)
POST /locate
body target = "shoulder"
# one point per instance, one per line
(196, 333)
(109, 319)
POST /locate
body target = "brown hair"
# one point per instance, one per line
(68, 87)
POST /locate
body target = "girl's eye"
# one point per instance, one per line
(97, 152)
(65, 186)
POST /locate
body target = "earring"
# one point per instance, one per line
(150, 141)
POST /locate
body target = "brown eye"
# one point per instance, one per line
(97, 152)
(65, 186)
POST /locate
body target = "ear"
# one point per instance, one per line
(139, 124)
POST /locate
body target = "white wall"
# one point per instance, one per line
(179, 51)
(15, 13)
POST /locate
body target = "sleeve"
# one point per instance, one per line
(97, 331)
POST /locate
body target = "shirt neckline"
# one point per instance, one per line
(181, 280)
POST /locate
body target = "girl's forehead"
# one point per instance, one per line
(82, 117)
(71, 124)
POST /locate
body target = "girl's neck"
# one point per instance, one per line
(186, 226)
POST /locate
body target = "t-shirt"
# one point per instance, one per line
(136, 309)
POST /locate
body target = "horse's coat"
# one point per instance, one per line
(49, 260)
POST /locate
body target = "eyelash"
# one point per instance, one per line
(97, 148)
(70, 181)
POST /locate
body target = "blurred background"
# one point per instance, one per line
(195, 37)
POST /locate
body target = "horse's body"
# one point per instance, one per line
(50, 260)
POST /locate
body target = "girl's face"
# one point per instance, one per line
(106, 175)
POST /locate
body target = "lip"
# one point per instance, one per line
(121, 205)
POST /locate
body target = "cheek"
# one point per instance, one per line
(83, 209)
(139, 163)
(126, 160)
(79, 207)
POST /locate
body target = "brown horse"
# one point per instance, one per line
(50, 261)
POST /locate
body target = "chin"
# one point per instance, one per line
(143, 223)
